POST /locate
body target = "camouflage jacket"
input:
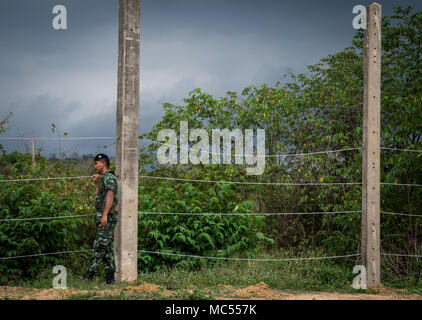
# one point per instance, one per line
(108, 182)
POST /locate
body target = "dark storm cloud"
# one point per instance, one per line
(69, 77)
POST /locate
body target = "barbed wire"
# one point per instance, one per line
(401, 184)
(161, 142)
(42, 179)
(46, 218)
(242, 213)
(395, 149)
(247, 259)
(402, 255)
(221, 181)
(44, 254)
(213, 213)
(212, 181)
(193, 180)
(215, 258)
(402, 214)
(61, 138)
(260, 183)
(253, 155)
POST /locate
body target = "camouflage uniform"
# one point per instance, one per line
(104, 239)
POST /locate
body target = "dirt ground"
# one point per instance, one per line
(225, 292)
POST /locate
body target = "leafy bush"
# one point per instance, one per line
(204, 235)
(36, 199)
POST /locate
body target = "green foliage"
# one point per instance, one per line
(40, 199)
(204, 235)
(322, 110)
(3, 128)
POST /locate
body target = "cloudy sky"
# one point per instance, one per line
(69, 77)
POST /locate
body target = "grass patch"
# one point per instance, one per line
(208, 282)
(82, 296)
(314, 275)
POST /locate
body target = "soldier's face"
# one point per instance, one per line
(99, 166)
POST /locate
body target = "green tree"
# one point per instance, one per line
(4, 129)
(322, 110)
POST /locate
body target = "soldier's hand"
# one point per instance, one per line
(104, 221)
(96, 178)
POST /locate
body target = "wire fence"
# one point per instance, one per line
(44, 179)
(164, 142)
(222, 181)
(61, 138)
(46, 218)
(402, 214)
(402, 255)
(213, 181)
(193, 180)
(216, 213)
(246, 259)
(252, 155)
(401, 184)
(406, 150)
(45, 254)
(253, 182)
(245, 213)
(215, 258)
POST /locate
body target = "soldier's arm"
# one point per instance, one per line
(108, 202)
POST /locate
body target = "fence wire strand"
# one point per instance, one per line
(247, 259)
(44, 254)
(252, 155)
(402, 214)
(43, 179)
(221, 181)
(61, 138)
(214, 214)
(215, 258)
(179, 147)
(243, 213)
(401, 255)
(259, 183)
(401, 184)
(46, 218)
(407, 150)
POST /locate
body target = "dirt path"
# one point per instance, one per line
(153, 291)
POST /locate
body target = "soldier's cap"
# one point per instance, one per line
(101, 156)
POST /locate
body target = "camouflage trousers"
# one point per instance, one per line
(103, 244)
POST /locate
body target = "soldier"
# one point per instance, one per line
(105, 219)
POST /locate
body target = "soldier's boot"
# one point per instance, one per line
(109, 278)
(88, 275)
